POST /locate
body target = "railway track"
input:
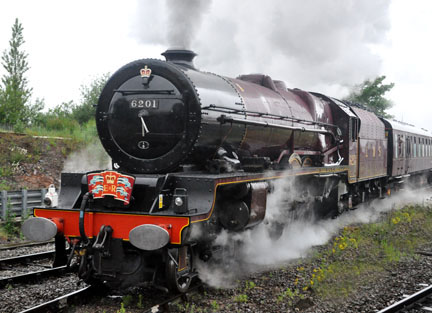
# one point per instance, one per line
(88, 292)
(24, 244)
(24, 250)
(24, 259)
(57, 304)
(34, 276)
(31, 271)
(412, 301)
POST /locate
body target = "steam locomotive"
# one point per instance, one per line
(194, 150)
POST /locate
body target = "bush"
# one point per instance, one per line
(9, 224)
(19, 127)
(61, 123)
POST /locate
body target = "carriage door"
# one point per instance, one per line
(407, 153)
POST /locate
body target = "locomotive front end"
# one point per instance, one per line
(128, 226)
(121, 228)
(148, 117)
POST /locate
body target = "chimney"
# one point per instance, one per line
(180, 57)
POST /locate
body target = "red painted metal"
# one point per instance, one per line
(120, 223)
(372, 146)
(260, 94)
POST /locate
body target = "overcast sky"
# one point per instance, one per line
(324, 46)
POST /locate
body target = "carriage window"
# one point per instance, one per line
(420, 147)
(424, 148)
(429, 146)
(408, 147)
(412, 147)
(353, 129)
(415, 147)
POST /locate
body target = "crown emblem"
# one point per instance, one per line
(110, 178)
(145, 72)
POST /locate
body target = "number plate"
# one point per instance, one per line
(144, 104)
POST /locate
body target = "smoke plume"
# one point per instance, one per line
(173, 23)
(258, 250)
(184, 21)
(315, 45)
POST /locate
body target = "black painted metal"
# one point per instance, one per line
(60, 257)
(180, 56)
(70, 190)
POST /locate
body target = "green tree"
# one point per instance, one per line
(89, 98)
(15, 92)
(371, 94)
(58, 118)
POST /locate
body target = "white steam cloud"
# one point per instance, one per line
(315, 45)
(90, 158)
(257, 250)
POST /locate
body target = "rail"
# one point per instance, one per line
(409, 301)
(62, 302)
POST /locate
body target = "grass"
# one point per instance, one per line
(362, 253)
(215, 306)
(3, 183)
(5, 171)
(241, 298)
(3, 234)
(289, 296)
(79, 134)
